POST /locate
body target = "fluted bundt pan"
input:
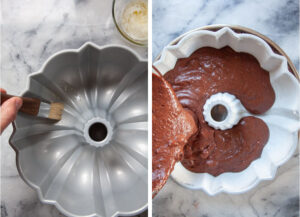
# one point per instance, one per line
(282, 118)
(94, 161)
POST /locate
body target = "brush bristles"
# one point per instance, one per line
(56, 110)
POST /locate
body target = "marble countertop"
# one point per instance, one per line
(279, 20)
(31, 31)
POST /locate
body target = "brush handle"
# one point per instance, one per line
(30, 106)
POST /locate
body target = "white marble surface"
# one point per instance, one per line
(277, 19)
(31, 31)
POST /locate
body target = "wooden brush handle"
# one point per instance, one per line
(30, 106)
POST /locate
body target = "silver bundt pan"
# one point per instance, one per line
(94, 161)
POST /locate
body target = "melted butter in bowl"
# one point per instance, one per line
(131, 20)
(135, 20)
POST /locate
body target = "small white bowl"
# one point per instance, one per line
(282, 119)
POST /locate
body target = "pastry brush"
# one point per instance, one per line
(36, 107)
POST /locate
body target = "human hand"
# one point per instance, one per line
(8, 111)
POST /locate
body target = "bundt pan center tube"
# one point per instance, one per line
(222, 111)
(94, 161)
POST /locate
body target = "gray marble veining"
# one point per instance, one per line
(31, 31)
(279, 20)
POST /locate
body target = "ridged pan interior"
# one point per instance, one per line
(81, 176)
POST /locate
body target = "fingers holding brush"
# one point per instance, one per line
(8, 111)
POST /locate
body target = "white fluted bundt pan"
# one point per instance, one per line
(282, 119)
(94, 161)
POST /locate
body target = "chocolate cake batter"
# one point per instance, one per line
(209, 71)
(172, 126)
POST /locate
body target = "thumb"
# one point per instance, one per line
(9, 111)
